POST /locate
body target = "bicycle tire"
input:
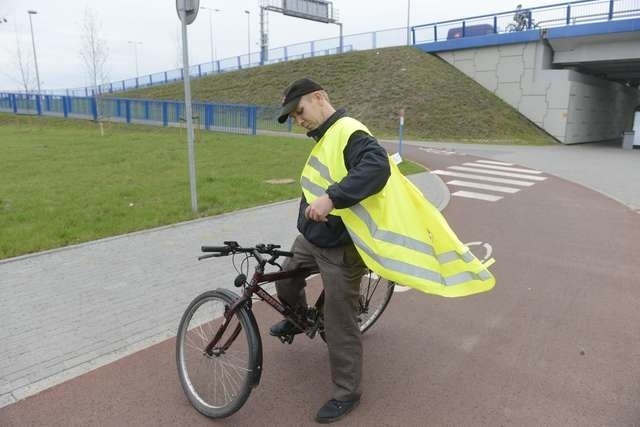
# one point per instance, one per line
(217, 386)
(375, 294)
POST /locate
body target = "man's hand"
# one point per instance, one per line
(319, 209)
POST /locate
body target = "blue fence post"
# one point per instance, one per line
(199, 70)
(254, 120)
(137, 83)
(413, 35)
(177, 112)
(70, 104)
(165, 77)
(435, 33)
(38, 105)
(312, 46)
(146, 110)
(127, 110)
(289, 124)
(110, 87)
(218, 66)
(65, 110)
(464, 28)
(123, 85)
(206, 116)
(610, 10)
(495, 24)
(181, 73)
(165, 114)
(47, 102)
(94, 108)
(286, 56)
(373, 39)
(14, 103)
(239, 63)
(212, 119)
(568, 14)
(150, 80)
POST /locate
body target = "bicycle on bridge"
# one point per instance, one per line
(218, 345)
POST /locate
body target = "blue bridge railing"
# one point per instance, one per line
(555, 15)
(230, 118)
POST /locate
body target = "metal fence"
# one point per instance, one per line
(555, 15)
(329, 46)
(231, 118)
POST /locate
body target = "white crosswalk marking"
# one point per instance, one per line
(484, 178)
(493, 162)
(489, 172)
(503, 168)
(479, 186)
(480, 196)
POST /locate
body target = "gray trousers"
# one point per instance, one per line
(341, 270)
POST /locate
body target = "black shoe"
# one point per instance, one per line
(284, 327)
(334, 410)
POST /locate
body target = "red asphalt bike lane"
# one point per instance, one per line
(555, 343)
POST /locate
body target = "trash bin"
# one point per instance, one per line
(627, 140)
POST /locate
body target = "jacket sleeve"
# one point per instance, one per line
(368, 169)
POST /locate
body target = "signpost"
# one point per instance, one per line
(187, 12)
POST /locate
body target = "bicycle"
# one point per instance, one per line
(218, 367)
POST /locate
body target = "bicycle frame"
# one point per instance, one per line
(260, 277)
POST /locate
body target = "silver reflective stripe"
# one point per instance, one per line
(315, 163)
(399, 266)
(466, 276)
(312, 188)
(453, 256)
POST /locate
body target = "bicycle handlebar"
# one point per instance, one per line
(232, 247)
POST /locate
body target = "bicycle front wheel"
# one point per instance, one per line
(375, 294)
(216, 380)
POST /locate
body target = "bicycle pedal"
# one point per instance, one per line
(286, 339)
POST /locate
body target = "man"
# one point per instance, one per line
(325, 244)
(356, 209)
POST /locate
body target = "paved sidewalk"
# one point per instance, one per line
(74, 309)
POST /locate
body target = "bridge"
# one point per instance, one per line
(571, 68)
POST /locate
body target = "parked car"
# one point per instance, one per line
(470, 31)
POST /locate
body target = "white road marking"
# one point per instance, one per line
(492, 162)
(484, 178)
(479, 186)
(479, 196)
(502, 168)
(508, 174)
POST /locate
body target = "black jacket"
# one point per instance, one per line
(368, 171)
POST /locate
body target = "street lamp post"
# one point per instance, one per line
(135, 54)
(211, 12)
(33, 42)
(248, 37)
(408, 22)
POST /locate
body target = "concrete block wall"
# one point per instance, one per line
(598, 109)
(570, 106)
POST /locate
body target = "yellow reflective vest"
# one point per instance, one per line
(399, 234)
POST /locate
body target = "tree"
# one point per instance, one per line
(23, 67)
(94, 53)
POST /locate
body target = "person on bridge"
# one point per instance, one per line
(357, 211)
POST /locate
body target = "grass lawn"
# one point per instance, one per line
(62, 183)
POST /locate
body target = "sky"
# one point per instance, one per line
(153, 26)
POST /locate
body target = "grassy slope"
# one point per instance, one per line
(441, 103)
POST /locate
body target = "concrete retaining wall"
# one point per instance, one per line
(570, 106)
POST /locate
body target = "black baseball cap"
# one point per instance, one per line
(292, 95)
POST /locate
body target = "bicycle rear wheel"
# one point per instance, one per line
(375, 294)
(218, 382)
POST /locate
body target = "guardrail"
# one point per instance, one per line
(230, 118)
(555, 15)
